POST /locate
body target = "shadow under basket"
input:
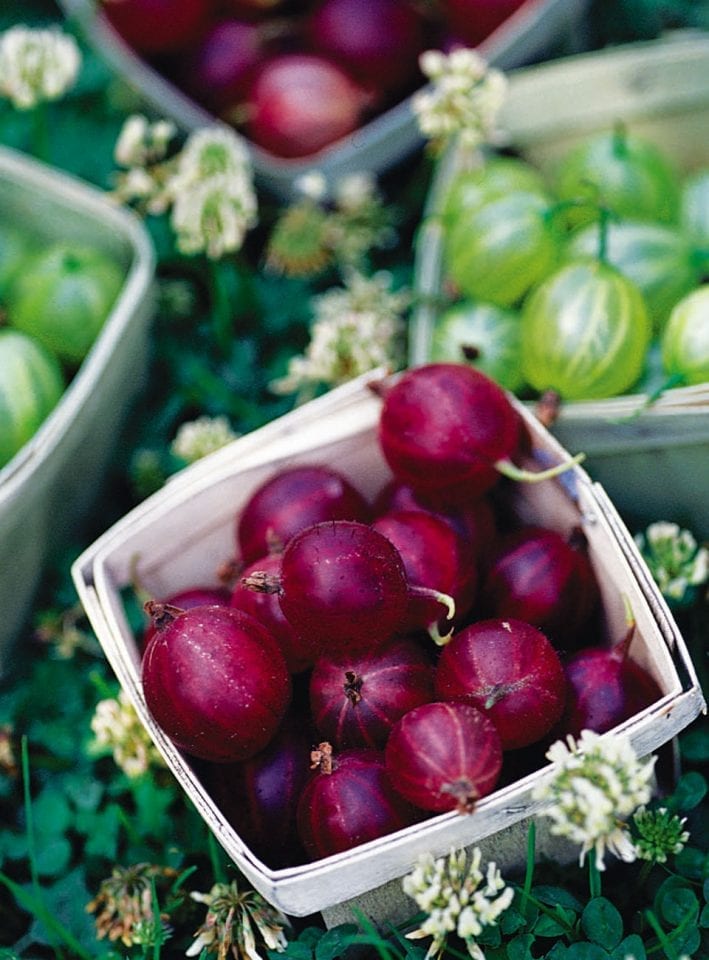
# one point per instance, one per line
(179, 535)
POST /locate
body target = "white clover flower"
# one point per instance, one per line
(212, 193)
(116, 726)
(463, 98)
(356, 329)
(141, 148)
(677, 563)
(199, 437)
(37, 65)
(457, 898)
(141, 142)
(598, 782)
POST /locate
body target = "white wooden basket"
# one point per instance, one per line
(532, 33)
(178, 537)
(654, 465)
(52, 480)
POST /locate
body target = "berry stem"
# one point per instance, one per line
(622, 648)
(513, 472)
(428, 593)
(651, 398)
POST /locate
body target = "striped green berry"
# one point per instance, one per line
(31, 383)
(585, 332)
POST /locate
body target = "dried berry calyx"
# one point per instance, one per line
(321, 758)
(161, 613)
(464, 792)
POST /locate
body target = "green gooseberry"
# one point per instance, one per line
(31, 384)
(685, 340)
(63, 296)
(585, 332)
(483, 335)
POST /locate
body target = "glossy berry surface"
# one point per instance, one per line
(300, 103)
(350, 801)
(378, 41)
(216, 683)
(259, 796)
(508, 670)
(294, 498)
(544, 578)
(435, 557)
(443, 427)
(186, 599)
(298, 652)
(219, 67)
(343, 586)
(355, 701)
(473, 520)
(605, 688)
(444, 756)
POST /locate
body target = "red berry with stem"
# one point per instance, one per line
(348, 801)
(444, 756)
(449, 430)
(215, 681)
(342, 586)
(605, 687)
(434, 556)
(185, 599)
(292, 499)
(355, 701)
(509, 670)
(544, 578)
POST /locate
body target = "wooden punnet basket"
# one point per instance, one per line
(179, 536)
(654, 465)
(535, 31)
(51, 482)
